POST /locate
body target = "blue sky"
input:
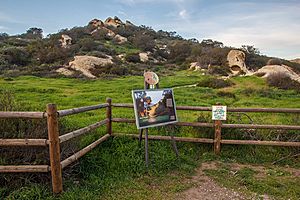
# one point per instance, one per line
(271, 26)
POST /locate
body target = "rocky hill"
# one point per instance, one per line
(115, 48)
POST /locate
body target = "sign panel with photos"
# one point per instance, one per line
(154, 107)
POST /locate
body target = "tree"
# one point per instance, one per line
(34, 33)
(144, 42)
(211, 43)
(180, 51)
(250, 49)
(3, 36)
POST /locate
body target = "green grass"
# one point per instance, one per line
(116, 168)
(274, 182)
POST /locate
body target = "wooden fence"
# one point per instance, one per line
(54, 139)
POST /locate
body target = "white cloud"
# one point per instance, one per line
(183, 14)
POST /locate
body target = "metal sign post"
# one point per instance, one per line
(151, 81)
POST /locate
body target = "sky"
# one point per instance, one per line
(272, 26)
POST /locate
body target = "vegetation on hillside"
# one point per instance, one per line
(32, 54)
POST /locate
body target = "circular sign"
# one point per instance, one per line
(151, 78)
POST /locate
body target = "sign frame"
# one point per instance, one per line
(221, 117)
(153, 124)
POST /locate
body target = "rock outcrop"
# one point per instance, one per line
(85, 64)
(120, 39)
(297, 60)
(65, 41)
(195, 66)
(144, 57)
(65, 71)
(115, 22)
(96, 23)
(271, 69)
(236, 60)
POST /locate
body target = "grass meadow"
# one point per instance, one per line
(116, 169)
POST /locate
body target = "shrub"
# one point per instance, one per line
(226, 94)
(215, 83)
(218, 70)
(135, 58)
(274, 61)
(144, 42)
(282, 81)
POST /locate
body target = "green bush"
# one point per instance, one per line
(215, 83)
(282, 81)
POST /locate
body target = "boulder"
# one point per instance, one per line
(120, 39)
(65, 71)
(115, 22)
(297, 60)
(195, 66)
(65, 41)
(270, 69)
(85, 64)
(96, 23)
(144, 56)
(236, 61)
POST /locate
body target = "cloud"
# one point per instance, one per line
(183, 14)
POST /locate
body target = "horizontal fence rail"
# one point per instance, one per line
(24, 168)
(23, 142)
(81, 131)
(211, 125)
(83, 151)
(73, 111)
(199, 108)
(30, 115)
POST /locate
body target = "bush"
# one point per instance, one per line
(274, 61)
(135, 58)
(218, 70)
(144, 42)
(282, 81)
(215, 83)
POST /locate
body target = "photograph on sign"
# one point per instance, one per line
(154, 107)
(219, 112)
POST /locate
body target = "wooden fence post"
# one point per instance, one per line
(217, 139)
(108, 117)
(54, 148)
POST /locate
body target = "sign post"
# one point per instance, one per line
(218, 114)
(151, 81)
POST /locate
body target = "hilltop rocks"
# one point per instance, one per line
(236, 60)
(115, 22)
(267, 70)
(85, 64)
(96, 23)
(65, 41)
(65, 71)
(297, 60)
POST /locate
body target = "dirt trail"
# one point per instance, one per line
(206, 188)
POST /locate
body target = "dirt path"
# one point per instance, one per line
(205, 188)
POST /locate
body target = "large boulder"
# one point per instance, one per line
(85, 64)
(195, 66)
(144, 56)
(267, 70)
(297, 60)
(65, 41)
(115, 22)
(96, 23)
(120, 39)
(236, 61)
